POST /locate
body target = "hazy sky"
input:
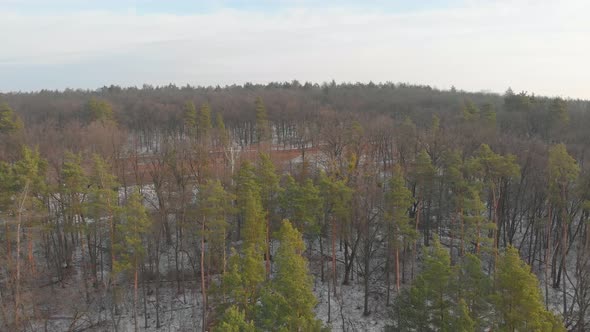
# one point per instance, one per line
(538, 46)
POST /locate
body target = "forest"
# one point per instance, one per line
(293, 206)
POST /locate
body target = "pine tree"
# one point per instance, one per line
(401, 232)
(517, 299)
(475, 224)
(263, 131)
(428, 305)
(98, 110)
(423, 173)
(453, 174)
(488, 114)
(204, 121)
(223, 141)
(215, 207)
(75, 185)
(246, 272)
(246, 185)
(406, 141)
(29, 181)
(214, 202)
(134, 225)
(250, 205)
(289, 304)
(312, 202)
(268, 182)
(462, 321)
(337, 204)
(302, 203)
(233, 283)
(251, 209)
(563, 172)
(474, 290)
(288, 196)
(102, 203)
(493, 170)
(7, 187)
(558, 114)
(74, 191)
(234, 320)
(222, 133)
(9, 121)
(470, 111)
(438, 279)
(190, 119)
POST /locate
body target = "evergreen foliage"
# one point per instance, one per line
(9, 121)
(465, 298)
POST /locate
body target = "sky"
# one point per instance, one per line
(539, 46)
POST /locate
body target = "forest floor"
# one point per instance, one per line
(64, 305)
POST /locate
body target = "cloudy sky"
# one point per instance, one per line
(539, 46)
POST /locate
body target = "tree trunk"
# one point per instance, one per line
(496, 232)
(135, 297)
(203, 286)
(329, 302)
(347, 260)
(321, 258)
(564, 251)
(158, 280)
(334, 277)
(17, 286)
(547, 253)
(414, 252)
(462, 251)
(267, 246)
(30, 252)
(145, 314)
(366, 310)
(452, 237)
(17, 298)
(387, 273)
(397, 278)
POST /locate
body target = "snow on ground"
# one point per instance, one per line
(346, 310)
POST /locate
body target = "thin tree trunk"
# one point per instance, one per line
(145, 315)
(452, 238)
(321, 259)
(84, 271)
(397, 278)
(158, 280)
(477, 238)
(564, 250)
(334, 277)
(547, 251)
(496, 221)
(135, 297)
(17, 287)
(203, 286)
(414, 252)
(329, 302)
(17, 298)
(366, 311)
(30, 253)
(462, 232)
(387, 273)
(267, 246)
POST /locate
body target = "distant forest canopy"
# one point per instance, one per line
(161, 108)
